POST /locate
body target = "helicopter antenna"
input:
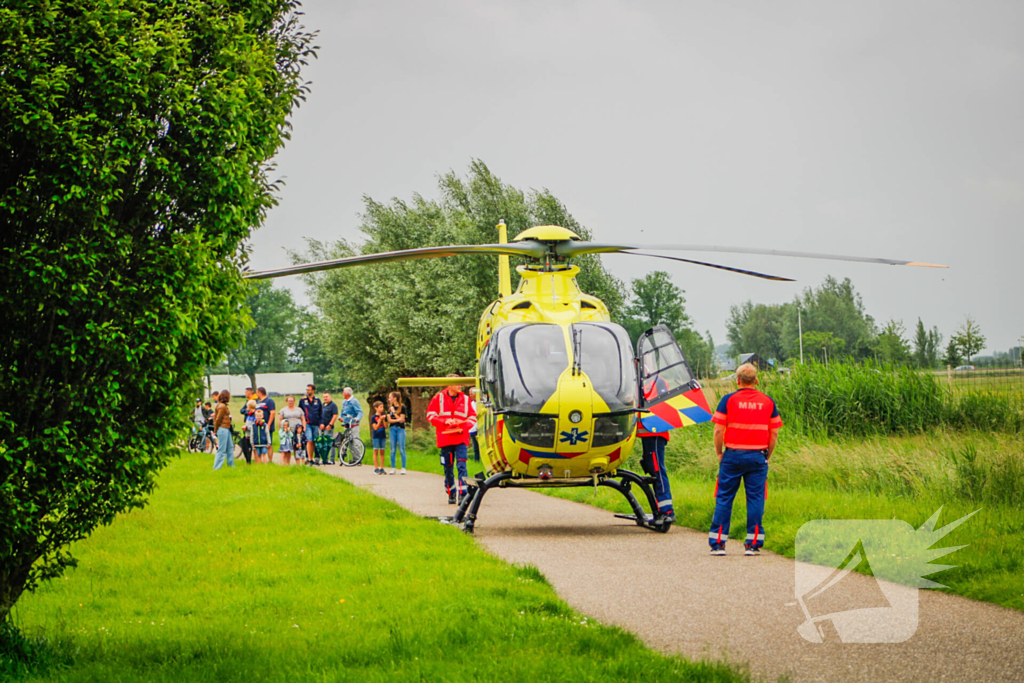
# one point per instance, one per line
(504, 275)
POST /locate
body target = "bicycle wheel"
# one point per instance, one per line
(352, 452)
(194, 443)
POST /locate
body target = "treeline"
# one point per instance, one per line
(280, 336)
(655, 300)
(829, 322)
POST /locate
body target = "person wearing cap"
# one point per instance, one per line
(199, 415)
(747, 426)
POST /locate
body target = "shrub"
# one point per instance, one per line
(134, 138)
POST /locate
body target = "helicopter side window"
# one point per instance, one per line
(606, 356)
(664, 371)
(485, 371)
(527, 361)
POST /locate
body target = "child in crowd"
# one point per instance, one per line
(245, 443)
(260, 436)
(379, 430)
(285, 440)
(299, 444)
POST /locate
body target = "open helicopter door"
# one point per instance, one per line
(667, 389)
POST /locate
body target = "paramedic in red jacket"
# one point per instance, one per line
(451, 412)
(746, 429)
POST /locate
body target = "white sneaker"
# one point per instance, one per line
(393, 471)
(403, 470)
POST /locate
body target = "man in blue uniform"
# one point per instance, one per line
(746, 429)
(313, 408)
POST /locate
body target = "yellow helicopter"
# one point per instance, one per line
(560, 389)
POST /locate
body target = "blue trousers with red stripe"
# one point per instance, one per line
(454, 455)
(752, 468)
(653, 464)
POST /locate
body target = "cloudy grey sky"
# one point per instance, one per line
(889, 129)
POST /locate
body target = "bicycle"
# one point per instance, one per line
(201, 440)
(350, 447)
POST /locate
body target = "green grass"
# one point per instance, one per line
(270, 574)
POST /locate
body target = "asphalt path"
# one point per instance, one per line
(670, 592)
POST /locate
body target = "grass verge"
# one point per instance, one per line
(270, 573)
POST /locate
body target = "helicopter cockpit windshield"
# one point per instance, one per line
(522, 365)
(606, 356)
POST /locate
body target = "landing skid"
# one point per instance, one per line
(621, 480)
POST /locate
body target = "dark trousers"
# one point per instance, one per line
(752, 468)
(653, 464)
(454, 456)
(246, 445)
(476, 446)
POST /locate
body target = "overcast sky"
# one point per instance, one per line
(890, 129)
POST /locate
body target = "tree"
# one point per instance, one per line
(757, 328)
(968, 338)
(309, 354)
(823, 344)
(420, 317)
(891, 346)
(272, 333)
(134, 142)
(952, 355)
(656, 300)
(834, 307)
(926, 346)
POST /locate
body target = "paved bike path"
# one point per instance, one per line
(669, 591)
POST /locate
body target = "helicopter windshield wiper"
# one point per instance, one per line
(577, 348)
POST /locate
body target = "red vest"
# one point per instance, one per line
(443, 408)
(653, 387)
(749, 416)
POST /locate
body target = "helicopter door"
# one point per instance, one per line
(662, 372)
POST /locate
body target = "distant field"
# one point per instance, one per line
(284, 574)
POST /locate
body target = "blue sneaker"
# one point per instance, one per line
(718, 549)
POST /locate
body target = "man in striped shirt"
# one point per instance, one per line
(746, 429)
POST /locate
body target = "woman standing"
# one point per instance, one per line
(296, 418)
(222, 423)
(396, 418)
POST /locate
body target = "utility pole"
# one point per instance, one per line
(800, 331)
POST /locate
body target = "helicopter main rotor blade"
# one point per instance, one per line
(753, 273)
(531, 249)
(574, 248)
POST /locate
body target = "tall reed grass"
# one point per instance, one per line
(843, 399)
